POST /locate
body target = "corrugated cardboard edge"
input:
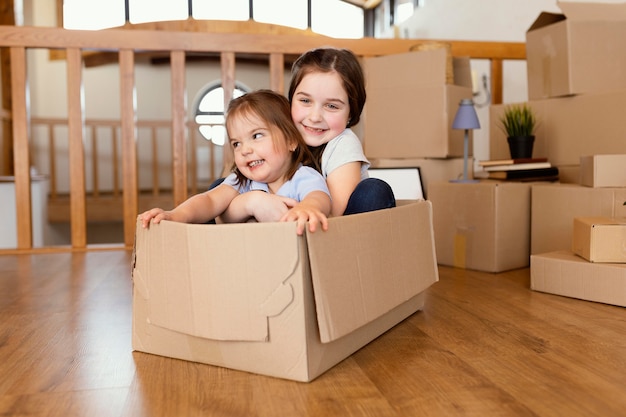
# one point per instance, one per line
(365, 279)
(546, 19)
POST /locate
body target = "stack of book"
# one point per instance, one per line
(527, 169)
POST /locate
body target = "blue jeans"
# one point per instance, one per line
(369, 195)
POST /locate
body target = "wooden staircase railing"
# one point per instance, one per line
(127, 43)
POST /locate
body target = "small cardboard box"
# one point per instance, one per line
(564, 273)
(555, 206)
(256, 297)
(570, 127)
(600, 239)
(409, 90)
(580, 51)
(483, 226)
(603, 170)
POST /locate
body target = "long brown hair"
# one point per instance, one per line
(344, 63)
(273, 109)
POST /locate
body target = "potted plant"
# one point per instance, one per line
(519, 123)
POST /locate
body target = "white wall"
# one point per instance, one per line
(484, 20)
(481, 20)
(48, 99)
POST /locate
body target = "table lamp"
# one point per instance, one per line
(466, 119)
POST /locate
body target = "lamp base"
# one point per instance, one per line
(465, 181)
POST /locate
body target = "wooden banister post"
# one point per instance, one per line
(21, 155)
(76, 129)
(129, 144)
(179, 126)
(496, 81)
(228, 84)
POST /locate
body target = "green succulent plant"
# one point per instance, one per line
(518, 120)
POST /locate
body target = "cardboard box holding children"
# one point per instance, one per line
(259, 298)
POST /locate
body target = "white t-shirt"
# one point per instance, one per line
(341, 150)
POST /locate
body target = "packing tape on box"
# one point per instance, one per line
(460, 250)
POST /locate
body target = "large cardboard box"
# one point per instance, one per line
(483, 226)
(580, 51)
(564, 273)
(570, 127)
(603, 170)
(410, 108)
(600, 239)
(258, 298)
(555, 206)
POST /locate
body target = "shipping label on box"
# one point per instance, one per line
(603, 170)
(256, 297)
(600, 239)
(409, 90)
(580, 51)
(564, 273)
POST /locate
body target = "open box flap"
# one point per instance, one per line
(367, 264)
(219, 282)
(546, 19)
(590, 12)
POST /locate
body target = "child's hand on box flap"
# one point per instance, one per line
(314, 209)
(155, 215)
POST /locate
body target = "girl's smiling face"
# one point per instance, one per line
(320, 107)
(258, 155)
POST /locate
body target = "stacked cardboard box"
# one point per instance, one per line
(409, 112)
(578, 234)
(483, 226)
(410, 108)
(603, 170)
(567, 274)
(575, 61)
(599, 192)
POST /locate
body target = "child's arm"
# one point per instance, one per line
(197, 209)
(263, 207)
(314, 209)
(341, 183)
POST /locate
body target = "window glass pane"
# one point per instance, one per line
(292, 13)
(337, 19)
(141, 11)
(404, 10)
(205, 131)
(218, 134)
(210, 113)
(93, 14)
(212, 101)
(210, 119)
(220, 9)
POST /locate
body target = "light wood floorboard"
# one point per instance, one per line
(484, 345)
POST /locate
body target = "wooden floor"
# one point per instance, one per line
(485, 345)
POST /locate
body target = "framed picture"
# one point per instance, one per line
(406, 183)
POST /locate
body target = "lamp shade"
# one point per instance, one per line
(466, 117)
